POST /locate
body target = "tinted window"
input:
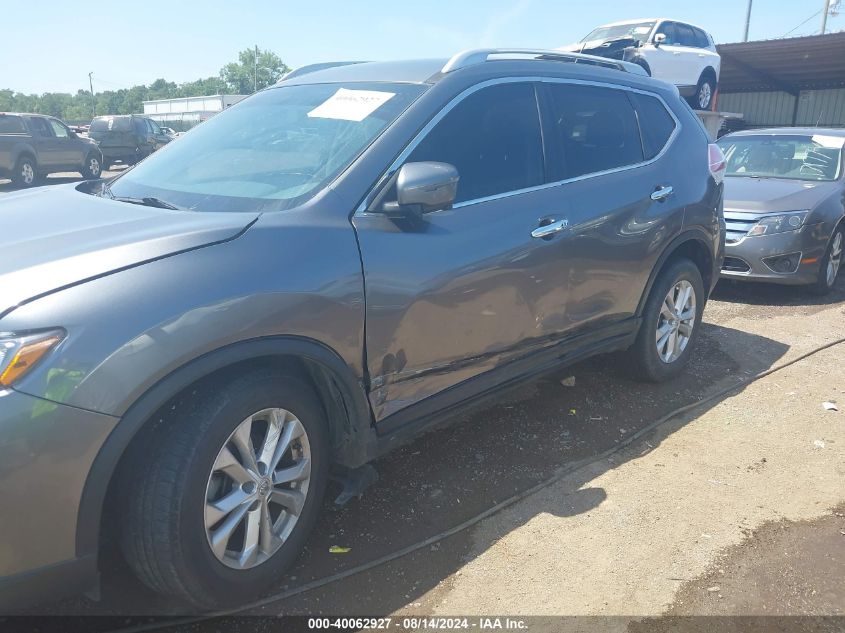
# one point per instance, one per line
(40, 127)
(58, 129)
(685, 35)
(701, 39)
(101, 125)
(493, 138)
(668, 29)
(592, 129)
(154, 126)
(656, 124)
(11, 125)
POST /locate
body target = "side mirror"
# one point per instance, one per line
(424, 187)
(659, 39)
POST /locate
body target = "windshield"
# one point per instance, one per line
(816, 157)
(271, 151)
(638, 31)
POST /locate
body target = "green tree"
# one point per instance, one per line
(242, 77)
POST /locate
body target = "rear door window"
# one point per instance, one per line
(11, 125)
(656, 124)
(493, 138)
(40, 127)
(589, 130)
(685, 35)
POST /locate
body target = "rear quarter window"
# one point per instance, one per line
(656, 124)
(11, 125)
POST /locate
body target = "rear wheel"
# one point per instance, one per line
(25, 173)
(222, 500)
(830, 264)
(671, 322)
(92, 168)
(704, 93)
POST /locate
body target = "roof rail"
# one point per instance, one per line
(312, 68)
(479, 56)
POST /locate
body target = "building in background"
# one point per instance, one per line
(795, 81)
(183, 113)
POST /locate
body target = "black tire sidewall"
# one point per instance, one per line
(821, 287)
(701, 82)
(208, 582)
(86, 172)
(647, 361)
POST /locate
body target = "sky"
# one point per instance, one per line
(127, 43)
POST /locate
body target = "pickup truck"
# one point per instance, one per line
(34, 145)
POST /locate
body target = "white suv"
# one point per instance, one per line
(673, 51)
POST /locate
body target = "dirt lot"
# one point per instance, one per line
(732, 508)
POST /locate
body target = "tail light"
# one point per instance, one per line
(716, 160)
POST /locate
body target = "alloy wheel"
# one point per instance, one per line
(27, 173)
(704, 95)
(257, 488)
(676, 321)
(835, 259)
(94, 167)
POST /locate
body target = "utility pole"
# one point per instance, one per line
(747, 21)
(824, 15)
(255, 82)
(93, 99)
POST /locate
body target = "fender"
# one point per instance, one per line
(693, 233)
(354, 401)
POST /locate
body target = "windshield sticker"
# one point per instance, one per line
(833, 142)
(351, 105)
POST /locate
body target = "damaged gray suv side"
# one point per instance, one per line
(313, 277)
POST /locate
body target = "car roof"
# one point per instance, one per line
(26, 114)
(797, 131)
(624, 22)
(430, 71)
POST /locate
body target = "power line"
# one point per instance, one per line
(802, 24)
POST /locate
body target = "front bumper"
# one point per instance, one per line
(46, 451)
(746, 259)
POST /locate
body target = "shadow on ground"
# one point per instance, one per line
(455, 473)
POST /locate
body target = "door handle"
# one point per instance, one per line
(547, 230)
(661, 193)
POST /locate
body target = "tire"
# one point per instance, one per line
(26, 172)
(92, 168)
(164, 534)
(831, 263)
(704, 93)
(645, 361)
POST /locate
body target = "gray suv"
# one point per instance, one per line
(317, 275)
(34, 145)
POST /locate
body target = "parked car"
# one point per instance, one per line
(126, 139)
(671, 50)
(169, 131)
(191, 347)
(785, 206)
(34, 145)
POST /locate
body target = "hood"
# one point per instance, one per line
(758, 195)
(54, 237)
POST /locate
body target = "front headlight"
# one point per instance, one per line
(779, 223)
(19, 354)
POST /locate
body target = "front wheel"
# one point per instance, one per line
(830, 264)
(228, 489)
(671, 322)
